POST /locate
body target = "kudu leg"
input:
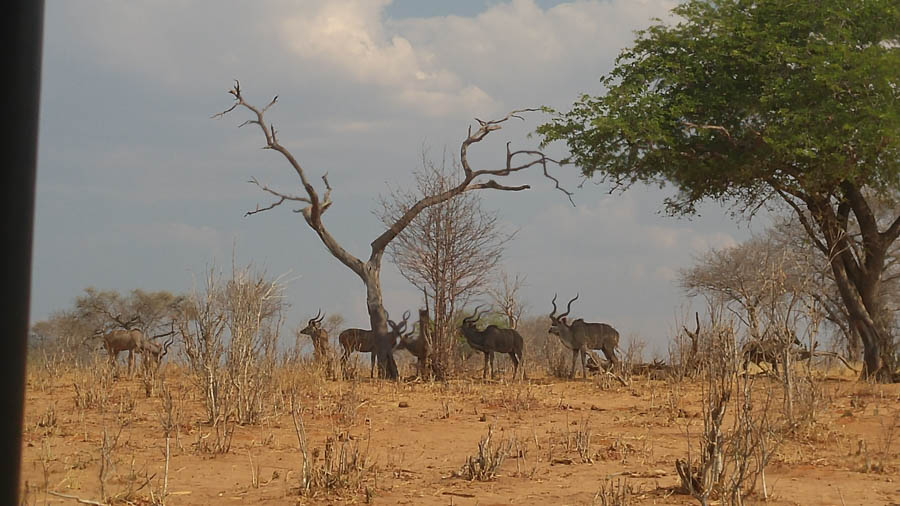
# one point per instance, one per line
(574, 358)
(610, 355)
(583, 354)
(344, 358)
(515, 361)
(372, 364)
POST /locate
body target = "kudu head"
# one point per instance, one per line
(314, 324)
(468, 323)
(407, 341)
(154, 352)
(397, 329)
(556, 321)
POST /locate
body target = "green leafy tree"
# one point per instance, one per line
(760, 102)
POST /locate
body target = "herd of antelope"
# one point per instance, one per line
(579, 336)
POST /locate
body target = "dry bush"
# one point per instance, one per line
(93, 385)
(254, 316)
(485, 465)
(615, 492)
(342, 466)
(632, 354)
(230, 333)
(574, 444)
(731, 459)
(201, 326)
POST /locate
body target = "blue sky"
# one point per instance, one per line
(139, 188)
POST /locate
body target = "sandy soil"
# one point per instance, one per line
(569, 440)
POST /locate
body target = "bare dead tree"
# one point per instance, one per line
(369, 271)
(448, 251)
(506, 294)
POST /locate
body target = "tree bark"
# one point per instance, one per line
(384, 343)
(857, 270)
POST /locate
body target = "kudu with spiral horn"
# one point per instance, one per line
(493, 339)
(581, 336)
(318, 335)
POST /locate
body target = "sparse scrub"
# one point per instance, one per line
(731, 459)
(93, 386)
(615, 492)
(254, 316)
(485, 465)
(342, 467)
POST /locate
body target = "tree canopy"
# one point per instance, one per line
(743, 98)
(748, 102)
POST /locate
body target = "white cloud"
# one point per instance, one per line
(514, 54)
(177, 235)
(349, 38)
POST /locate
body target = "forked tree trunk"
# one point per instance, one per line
(859, 279)
(384, 345)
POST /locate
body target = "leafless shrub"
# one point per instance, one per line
(615, 492)
(169, 414)
(583, 442)
(485, 465)
(342, 467)
(253, 309)
(230, 333)
(202, 325)
(93, 386)
(108, 445)
(731, 459)
(633, 355)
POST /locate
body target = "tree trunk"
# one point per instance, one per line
(857, 268)
(878, 350)
(384, 342)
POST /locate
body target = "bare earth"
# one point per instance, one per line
(569, 440)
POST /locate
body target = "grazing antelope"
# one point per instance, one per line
(133, 341)
(318, 335)
(768, 351)
(493, 339)
(581, 336)
(363, 341)
(154, 352)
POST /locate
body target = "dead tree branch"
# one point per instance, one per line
(316, 205)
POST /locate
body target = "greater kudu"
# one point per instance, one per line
(581, 336)
(363, 341)
(133, 341)
(318, 335)
(769, 350)
(493, 339)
